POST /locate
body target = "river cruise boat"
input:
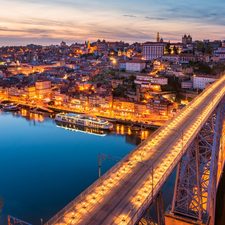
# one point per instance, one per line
(84, 120)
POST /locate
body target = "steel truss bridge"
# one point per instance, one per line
(193, 142)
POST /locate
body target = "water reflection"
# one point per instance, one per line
(133, 135)
(28, 115)
(78, 128)
(50, 165)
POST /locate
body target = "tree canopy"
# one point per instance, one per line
(209, 49)
(175, 50)
(168, 48)
(200, 45)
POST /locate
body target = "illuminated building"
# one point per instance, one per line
(84, 100)
(43, 88)
(101, 45)
(123, 104)
(140, 107)
(159, 106)
(199, 81)
(187, 57)
(158, 39)
(141, 78)
(30, 92)
(135, 65)
(186, 39)
(153, 50)
(105, 101)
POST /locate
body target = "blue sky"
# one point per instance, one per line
(51, 21)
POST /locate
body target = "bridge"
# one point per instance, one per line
(193, 142)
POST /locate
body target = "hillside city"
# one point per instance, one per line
(129, 82)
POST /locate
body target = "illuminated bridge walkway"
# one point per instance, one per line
(193, 141)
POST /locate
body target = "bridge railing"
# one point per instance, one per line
(97, 183)
(142, 209)
(80, 197)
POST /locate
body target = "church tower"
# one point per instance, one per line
(88, 45)
(157, 39)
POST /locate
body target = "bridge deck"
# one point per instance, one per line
(123, 195)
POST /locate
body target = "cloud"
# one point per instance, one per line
(155, 18)
(129, 15)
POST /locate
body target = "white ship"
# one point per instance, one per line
(84, 120)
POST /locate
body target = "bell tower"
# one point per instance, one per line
(157, 39)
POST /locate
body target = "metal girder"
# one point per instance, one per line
(196, 179)
(14, 221)
(158, 208)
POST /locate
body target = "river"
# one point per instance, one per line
(44, 166)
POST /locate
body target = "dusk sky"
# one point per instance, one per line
(51, 21)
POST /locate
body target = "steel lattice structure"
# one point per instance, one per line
(197, 172)
(193, 140)
(13, 221)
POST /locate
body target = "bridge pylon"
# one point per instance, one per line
(198, 174)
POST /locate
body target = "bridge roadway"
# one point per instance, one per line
(125, 191)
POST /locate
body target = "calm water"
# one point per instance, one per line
(43, 167)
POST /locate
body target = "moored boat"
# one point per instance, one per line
(84, 120)
(11, 107)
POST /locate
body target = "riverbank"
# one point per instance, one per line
(144, 121)
(124, 121)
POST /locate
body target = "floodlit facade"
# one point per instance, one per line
(199, 81)
(135, 65)
(153, 50)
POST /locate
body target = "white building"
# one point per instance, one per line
(153, 50)
(199, 81)
(135, 65)
(151, 79)
(171, 58)
(122, 64)
(187, 84)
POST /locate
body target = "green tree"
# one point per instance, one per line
(168, 50)
(132, 78)
(119, 91)
(200, 45)
(209, 49)
(175, 50)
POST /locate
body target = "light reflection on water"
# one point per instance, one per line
(43, 167)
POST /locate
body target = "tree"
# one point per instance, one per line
(201, 46)
(132, 78)
(119, 91)
(175, 50)
(209, 49)
(168, 48)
